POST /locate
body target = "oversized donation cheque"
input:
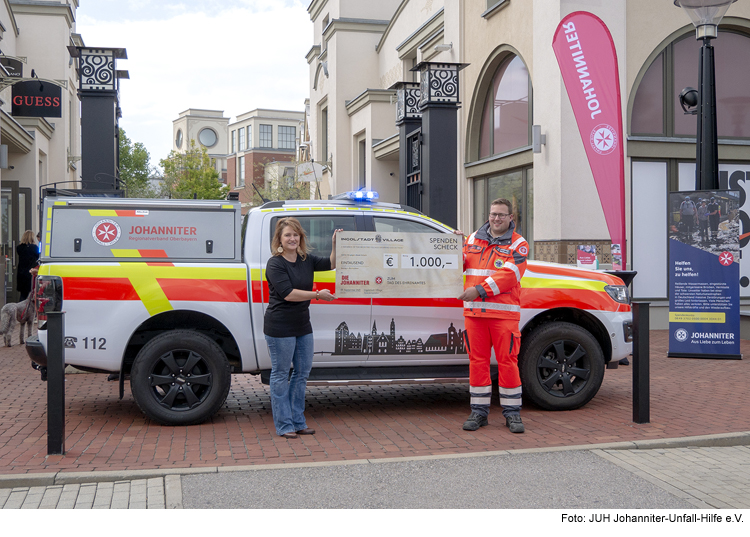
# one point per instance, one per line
(398, 265)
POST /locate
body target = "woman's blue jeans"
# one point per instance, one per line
(288, 394)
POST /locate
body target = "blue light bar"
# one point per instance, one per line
(358, 195)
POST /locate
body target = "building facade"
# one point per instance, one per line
(203, 128)
(511, 81)
(42, 151)
(240, 150)
(257, 139)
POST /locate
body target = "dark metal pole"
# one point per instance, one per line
(641, 390)
(55, 383)
(707, 148)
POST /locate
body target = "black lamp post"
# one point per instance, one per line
(706, 16)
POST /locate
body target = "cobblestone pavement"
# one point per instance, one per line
(705, 477)
(352, 423)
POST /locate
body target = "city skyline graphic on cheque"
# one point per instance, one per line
(450, 342)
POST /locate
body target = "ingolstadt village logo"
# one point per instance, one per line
(603, 139)
(106, 232)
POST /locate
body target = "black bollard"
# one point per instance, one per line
(55, 383)
(641, 392)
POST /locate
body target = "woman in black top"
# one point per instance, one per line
(28, 257)
(290, 275)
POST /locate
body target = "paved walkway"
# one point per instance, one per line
(673, 478)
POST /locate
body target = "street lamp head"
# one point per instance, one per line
(705, 15)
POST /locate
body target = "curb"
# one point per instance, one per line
(172, 476)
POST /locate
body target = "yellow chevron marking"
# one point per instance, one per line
(121, 252)
(61, 203)
(148, 289)
(102, 212)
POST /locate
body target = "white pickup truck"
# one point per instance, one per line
(171, 294)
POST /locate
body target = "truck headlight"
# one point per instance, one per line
(619, 293)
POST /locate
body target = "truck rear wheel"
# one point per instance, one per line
(180, 377)
(561, 366)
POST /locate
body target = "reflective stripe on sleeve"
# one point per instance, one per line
(471, 238)
(478, 272)
(517, 243)
(495, 289)
(514, 268)
(492, 306)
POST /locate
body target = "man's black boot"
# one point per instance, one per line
(475, 421)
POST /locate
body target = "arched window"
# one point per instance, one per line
(656, 107)
(506, 117)
(661, 161)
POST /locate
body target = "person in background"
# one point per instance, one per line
(28, 257)
(688, 216)
(714, 215)
(703, 220)
(286, 325)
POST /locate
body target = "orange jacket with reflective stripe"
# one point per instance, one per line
(495, 266)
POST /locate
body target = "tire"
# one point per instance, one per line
(180, 377)
(561, 366)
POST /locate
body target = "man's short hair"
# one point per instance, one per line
(503, 201)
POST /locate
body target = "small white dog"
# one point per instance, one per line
(16, 312)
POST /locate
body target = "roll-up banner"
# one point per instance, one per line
(704, 270)
(588, 63)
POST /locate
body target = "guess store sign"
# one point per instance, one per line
(36, 99)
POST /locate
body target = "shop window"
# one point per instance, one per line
(656, 107)
(506, 116)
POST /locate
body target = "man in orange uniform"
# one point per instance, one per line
(494, 262)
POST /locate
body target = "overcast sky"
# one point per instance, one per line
(230, 55)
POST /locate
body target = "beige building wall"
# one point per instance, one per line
(566, 205)
(40, 150)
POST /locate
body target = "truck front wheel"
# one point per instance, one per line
(180, 377)
(561, 366)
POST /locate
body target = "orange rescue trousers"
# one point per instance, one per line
(483, 334)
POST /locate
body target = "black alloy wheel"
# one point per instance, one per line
(181, 377)
(562, 366)
(180, 380)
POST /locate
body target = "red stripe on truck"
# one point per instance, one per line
(204, 290)
(98, 289)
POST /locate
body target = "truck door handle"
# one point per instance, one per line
(209, 247)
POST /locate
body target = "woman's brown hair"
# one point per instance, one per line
(297, 228)
(28, 237)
